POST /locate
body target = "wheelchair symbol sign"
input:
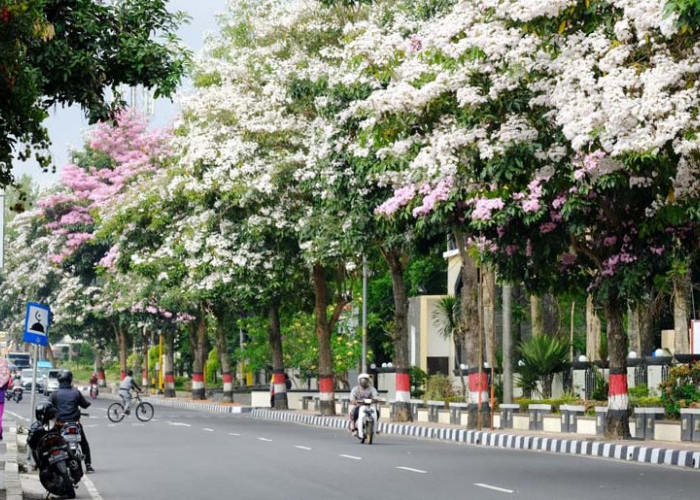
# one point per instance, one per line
(36, 324)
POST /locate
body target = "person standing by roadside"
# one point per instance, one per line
(4, 382)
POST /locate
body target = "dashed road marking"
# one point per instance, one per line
(233, 434)
(180, 424)
(494, 488)
(265, 439)
(411, 469)
(303, 447)
(207, 429)
(92, 489)
(351, 457)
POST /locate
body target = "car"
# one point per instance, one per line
(26, 375)
(51, 382)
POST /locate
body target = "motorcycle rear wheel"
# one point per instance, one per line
(369, 432)
(115, 412)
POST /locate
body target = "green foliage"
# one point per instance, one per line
(134, 362)
(212, 365)
(640, 391)
(601, 386)
(418, 381)
(72, 53)
(688, 12)
(439, 388)
(542, 356)
(680, 389)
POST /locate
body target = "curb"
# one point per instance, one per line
(210, 407)
(13, 486)
(623, 452)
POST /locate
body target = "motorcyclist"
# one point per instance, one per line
(125, 389)
(364, 390)
(93, 379)
(68, 402)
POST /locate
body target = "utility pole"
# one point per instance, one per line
(364, 314)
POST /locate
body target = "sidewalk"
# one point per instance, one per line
(685, 455)
(11, 486)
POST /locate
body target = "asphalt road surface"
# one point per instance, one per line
(184, 454)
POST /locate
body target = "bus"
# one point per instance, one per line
(19, 359)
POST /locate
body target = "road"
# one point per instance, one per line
(184, 454)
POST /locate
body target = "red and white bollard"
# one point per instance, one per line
(228, 387)
(326, 395)
(197, 385)
(169, 385)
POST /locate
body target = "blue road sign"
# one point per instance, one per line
(36, 324)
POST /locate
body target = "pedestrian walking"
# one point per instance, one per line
(4, 383)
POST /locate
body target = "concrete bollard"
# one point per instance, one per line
(415, 405)
(537, 412)
(433, 407)
(507, 411)
(690, 424)
(601, 420)
(569, 417)
(645, 419)
(456, 410)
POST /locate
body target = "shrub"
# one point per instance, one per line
(542, 356)
(439, 388)
(418, 380)
(680, 389)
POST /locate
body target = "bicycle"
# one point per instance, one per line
(144, 410)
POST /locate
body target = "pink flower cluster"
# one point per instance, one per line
(484, 208)
(587, 163)
(402, 197)
(610, 264)
(531, 202)
(441, 192)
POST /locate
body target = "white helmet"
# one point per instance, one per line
(363, 375)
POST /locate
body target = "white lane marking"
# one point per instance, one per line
(351, 457)
(266, 440)
(92, 489)
(179, 424)
(410, 469)
(208, 429)
(494, 488)
(303, 447)
(16, 415)
(233, 434)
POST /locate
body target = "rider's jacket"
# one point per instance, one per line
(358, 393)
(68, 402)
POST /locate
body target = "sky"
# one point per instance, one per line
(67, 126)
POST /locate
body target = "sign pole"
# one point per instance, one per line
(36, 356)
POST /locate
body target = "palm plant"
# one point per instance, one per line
(447, 319)
(541, 357)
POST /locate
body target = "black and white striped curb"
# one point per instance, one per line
(187, 405)
(629, 453)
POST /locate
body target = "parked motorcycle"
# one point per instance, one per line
(94, 391)
(73, 435)
(14, 393)
(367, 420)
(59, 467)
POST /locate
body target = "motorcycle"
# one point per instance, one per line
(94, 391)
(367, 420)
(59, 467)
(73, 435)
(14, 393)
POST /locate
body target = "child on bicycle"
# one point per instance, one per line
(125, 389)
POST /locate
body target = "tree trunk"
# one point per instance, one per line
(198, 337)
(489, 305)
(397, 265)
(222, 347)
(144, 373)
(169, 365)
(477, 382)
(681, 314)
(507, 344)
(536, 315)
(275, 335)
(592, 331)
(120, 338)
(551, 321)
(48, 352)
(323, 333)
(633, 328)
(618, 400)
(100, 368)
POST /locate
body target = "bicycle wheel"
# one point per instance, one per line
(115, 412)
(144, 411)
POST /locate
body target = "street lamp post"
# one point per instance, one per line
(364, 314)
